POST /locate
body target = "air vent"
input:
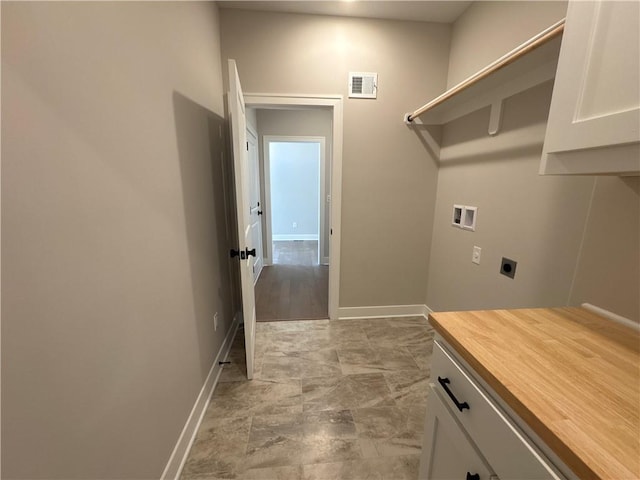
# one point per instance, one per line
(363, 85)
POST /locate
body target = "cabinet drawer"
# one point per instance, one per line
(501, 442)
(448, 453)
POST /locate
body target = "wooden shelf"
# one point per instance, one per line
(532, 63)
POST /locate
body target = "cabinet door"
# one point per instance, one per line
(594, 120)
(447, 452)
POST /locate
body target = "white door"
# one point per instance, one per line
(245, 235)
(256, 209)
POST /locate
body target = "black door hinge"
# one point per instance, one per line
(247, 146)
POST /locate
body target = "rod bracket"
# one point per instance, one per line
(409, 119)
(495, 118)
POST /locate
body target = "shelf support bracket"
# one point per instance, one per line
(413, 121)
(495, 118)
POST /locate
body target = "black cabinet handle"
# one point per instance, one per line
(234, 253)
(251, 252)
(259, 212)
(474, 476)
(461, 406)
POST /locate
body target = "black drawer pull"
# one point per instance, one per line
(461, 406)
(475, 476)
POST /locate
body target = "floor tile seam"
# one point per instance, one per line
(246, 448)
(300, 459)
(367, 460)
(385, 365)
(373, 370)
(362, 457)
(338, 408)
(416, 361)
(303, 464)
(291, 352)
(363, 435)
(390, 387)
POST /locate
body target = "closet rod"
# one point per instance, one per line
(531, 44)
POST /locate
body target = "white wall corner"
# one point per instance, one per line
(181, 450)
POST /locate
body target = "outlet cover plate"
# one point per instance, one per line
(508, 267)
(475, 256)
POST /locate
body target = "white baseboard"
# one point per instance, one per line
(384, 311)
(180, 452)
(295, 236)
(611, 316)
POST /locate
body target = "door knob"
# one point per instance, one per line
(259, 212)
(234, 253)
(251, 252)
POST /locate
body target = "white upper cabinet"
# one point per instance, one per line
(594, 121)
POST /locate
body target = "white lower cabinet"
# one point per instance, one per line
(448, 452)
(468, 436)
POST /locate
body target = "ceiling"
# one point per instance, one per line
(425, 11)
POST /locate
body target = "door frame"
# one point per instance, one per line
(251, 132)
(335, 104)
(322, 185)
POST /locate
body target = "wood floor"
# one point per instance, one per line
(295, 287)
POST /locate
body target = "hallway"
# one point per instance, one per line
(295, 287)
(339, 399)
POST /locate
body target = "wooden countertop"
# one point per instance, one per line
(571, 375)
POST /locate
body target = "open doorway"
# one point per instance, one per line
(296, 147)
(294, 198)
(332, 105)
(295, 285)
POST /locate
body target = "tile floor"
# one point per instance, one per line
(337, 400)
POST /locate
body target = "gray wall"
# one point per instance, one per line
(294, 180)
(314, 122)
(608, 273)
(389, 176)
(576, 238)
(537, 221)
(489, 29)
(114, 248)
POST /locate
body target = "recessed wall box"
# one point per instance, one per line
(363, 85)
(469, 216)
(508, 267)
(456, 219)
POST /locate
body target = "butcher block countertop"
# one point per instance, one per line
(571, 375)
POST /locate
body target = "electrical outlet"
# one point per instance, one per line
(475, 256)
(215, 321)
(508, 267)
